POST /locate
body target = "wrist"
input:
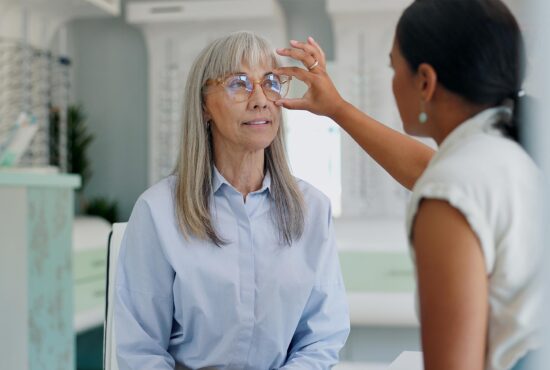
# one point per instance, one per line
(340, 107)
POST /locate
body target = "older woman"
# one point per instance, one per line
(230, 263)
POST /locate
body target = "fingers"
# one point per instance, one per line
(312, 49)
(300, 104)
(307, 59)
(307, 53)
(297, 72)
(314, 43)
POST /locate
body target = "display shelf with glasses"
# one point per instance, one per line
(32, 81)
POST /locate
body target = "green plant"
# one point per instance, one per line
(103, 207)
(78, 141)
(55, 120)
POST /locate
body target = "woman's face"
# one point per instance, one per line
(244, 126)
(407, 92)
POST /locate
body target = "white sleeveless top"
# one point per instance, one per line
(493, 182)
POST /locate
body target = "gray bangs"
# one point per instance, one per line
(229, 54)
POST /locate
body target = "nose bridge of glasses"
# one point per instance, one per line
(259, 82)
(254, 91)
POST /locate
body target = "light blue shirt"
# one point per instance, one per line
(251, 304)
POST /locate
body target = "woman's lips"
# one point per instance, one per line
(257, 122)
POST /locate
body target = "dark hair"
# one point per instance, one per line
(475, 46)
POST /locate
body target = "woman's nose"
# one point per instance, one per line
(258, 100)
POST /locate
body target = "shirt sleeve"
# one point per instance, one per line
(324, 326)
(144, 303)
(462, 200)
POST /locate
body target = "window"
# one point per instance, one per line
(313, 146)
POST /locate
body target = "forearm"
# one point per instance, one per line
(321, 355)
(403, 157)
(142, 331)
(309, 361)
(322, 332)
(145, 361)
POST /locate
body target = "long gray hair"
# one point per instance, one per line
(195, 161)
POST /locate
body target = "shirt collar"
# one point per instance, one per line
(218, 180)
(481, 122)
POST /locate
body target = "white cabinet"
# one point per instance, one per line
(75, 8)
(213, 10)
(110, 6)
(39, 20)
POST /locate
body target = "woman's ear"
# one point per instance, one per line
(427, 81)
(206, 113)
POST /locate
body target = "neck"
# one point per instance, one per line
(243, 170)
(450, 114)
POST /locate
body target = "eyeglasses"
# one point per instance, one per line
(240, 87)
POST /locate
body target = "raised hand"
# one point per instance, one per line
(322, 97)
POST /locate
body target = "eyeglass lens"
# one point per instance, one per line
(240, 87)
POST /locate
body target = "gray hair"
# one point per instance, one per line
(195, 161)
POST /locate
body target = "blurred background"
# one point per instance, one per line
(94, 88)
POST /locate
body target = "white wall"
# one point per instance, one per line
(110, 81)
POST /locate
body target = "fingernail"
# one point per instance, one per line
(311, 38)
(293, 41)
(280, 50)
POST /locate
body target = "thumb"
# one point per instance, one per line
(300, 104)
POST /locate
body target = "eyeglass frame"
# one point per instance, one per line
(222, 81)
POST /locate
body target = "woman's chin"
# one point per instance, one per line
(257, 146)
(259, 142)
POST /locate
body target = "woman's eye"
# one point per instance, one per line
(272, 84)
(237, 84)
